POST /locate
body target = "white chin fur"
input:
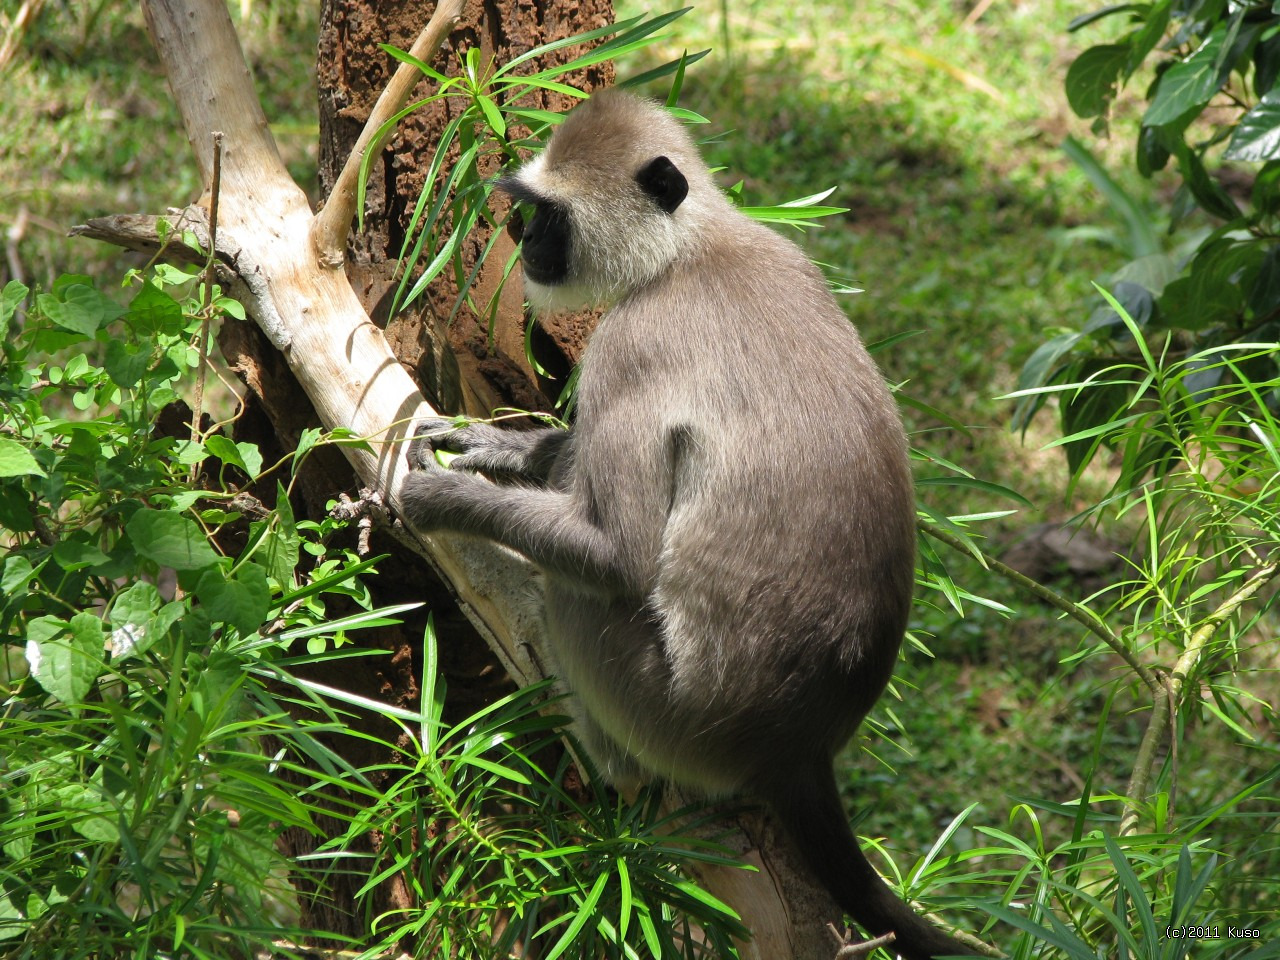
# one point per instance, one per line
(562, 297)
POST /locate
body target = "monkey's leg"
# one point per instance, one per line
(611, 760)
(527, 455)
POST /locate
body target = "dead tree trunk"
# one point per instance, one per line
(317, 351)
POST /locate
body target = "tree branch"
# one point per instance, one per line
(329, 230)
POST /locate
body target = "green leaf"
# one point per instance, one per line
(1093, 76)
(153, 311)
(17, 461)
(697, 893)
(75, 554)
(1266, 189)
(250, 456)
(1069, 946)
(1142, 237)
(1257, 137)
(1150, 154)
(1208, 192)
(972, 483)
(170, 540)
(68, 280)
(80, 308)
(671, 67)
(15, 509)
(1266, 65)
(1087, 18)
(125, 363)
(1145, 39)
(405, 57)
(97, 820)
(1188, 85)
(585, 912)
(242, 601)
(187, 453)
(277, 545)
(225, 450)
(238, 454)
(1213, 291)
(1037, 371)
(17, 575)
(492, 115)
(138, 620)
(230, 307)
(1088, 414)
(1264, 298)
(10, 297)
(65, 657)
(309, 438)
(623, 28)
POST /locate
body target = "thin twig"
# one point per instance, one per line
(1081, 615)
(851, 950)
(329, 229)
(206, 308)
(976, 13)
(20, 24)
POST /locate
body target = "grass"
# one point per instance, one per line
(87, 128)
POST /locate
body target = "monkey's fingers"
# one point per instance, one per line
(431, 435)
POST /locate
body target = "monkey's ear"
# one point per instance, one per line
(662, 180)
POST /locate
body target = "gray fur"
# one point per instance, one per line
(728, 532)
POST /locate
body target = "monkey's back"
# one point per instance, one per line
(777, 534)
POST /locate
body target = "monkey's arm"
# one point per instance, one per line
(544, 525)
(527, 455)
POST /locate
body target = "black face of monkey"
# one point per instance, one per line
(545, 236)
(545, 245)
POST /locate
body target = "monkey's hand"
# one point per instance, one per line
(504, 455)
(436, 433)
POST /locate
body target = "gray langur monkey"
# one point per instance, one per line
(728, 531)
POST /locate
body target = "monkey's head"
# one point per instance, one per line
(619, 194)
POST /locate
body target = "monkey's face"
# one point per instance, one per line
(602, 205)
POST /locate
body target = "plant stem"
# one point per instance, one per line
(206, 307)
(1082, 615)
(1169, 695)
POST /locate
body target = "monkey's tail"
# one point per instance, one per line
(813, 815)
